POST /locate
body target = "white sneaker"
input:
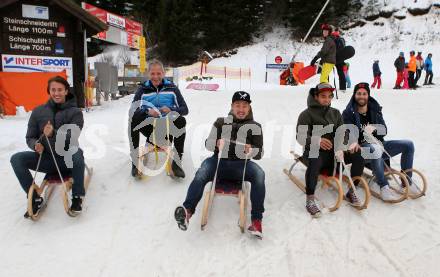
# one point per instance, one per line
(386, 194)
(414, 190)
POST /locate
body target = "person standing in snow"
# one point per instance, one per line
(420, 66)
(346, 69)
(236, 138)
(320, 152)
(45, 127)
(158, 99)
(412, 68)
(377, 75)
(340, 44)
(406, 78)
(428, 69)
(399, 64)
(327, 54)
(365, 113)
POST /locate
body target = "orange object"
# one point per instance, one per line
(24, 89)
(298, 66)
(412, 64)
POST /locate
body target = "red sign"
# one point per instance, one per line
(278, 59)
(99, 13)
(133, 27)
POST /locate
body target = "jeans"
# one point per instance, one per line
(22, 162)
(393, 147)
(228, 170)
(325, 161)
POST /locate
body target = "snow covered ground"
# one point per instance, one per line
(127, 228)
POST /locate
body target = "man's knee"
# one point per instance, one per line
(409, 146)
(180, 122)
(255, 172)
(17, 159)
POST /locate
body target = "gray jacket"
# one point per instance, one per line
(328, 51)
(58, 115)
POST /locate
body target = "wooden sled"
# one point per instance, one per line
(227, 188)
(153, 147)
(332, 185)
(400, 185)
(144, 158)
(48, 186)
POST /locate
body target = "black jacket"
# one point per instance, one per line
(399, 64)
(252, 134)
(351, 116)
(58, 115)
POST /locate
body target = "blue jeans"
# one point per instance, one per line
(22, 162)
(394, 148)
(228, 170)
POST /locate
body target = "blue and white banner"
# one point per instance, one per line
(24, 63)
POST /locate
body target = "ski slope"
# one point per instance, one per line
(127, 228)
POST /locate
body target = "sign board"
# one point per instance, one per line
(121, 30)
(24, 63)
(277, 61)
(31, 11)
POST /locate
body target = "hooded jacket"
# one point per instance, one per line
(328, 51)
(316, 114)
(232, 129)
(351, 116)
(399, 64)
(58, 115)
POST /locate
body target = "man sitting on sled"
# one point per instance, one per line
(235, 138)
(45, 127)
(156, 99)
(366, 113)
(320, 150)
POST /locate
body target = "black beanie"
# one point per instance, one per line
(362, 85)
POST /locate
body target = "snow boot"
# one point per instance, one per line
(312, 208)
(76, 207)
(352, 198)
(177, 170)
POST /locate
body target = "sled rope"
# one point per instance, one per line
(56, 165)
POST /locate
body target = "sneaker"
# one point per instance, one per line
(352, 198)
(37, 203)
(387, 194)
(182, 216)
(76, 207)
(256, 229)
(177, 170)
(312, 208)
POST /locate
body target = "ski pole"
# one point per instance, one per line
(310, 30)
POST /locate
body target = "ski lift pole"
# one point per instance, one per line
(310, 29)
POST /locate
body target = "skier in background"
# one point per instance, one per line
(377, 75)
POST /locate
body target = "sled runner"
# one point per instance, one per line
(47, 188)
(329, 193)
(235, 188)
(144, 160)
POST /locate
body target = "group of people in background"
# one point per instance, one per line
(409, 73)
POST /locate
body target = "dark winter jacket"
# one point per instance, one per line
(228, 129)
(376, 70)
(58, 115)
(399, 64)
(316, 114)
(351, 116)
(166, 94)
(328, 51)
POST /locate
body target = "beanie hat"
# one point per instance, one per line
(363, 85)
